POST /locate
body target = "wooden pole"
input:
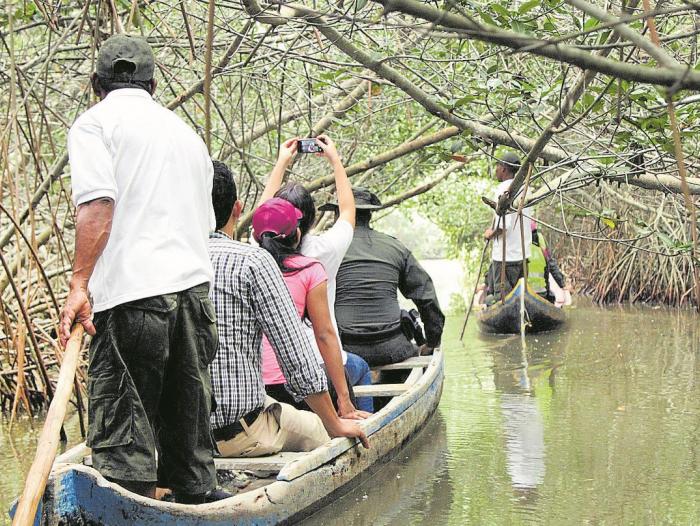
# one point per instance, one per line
(476, 286)
(522, 254)
(47, 447)
(520, 219)
(502, 221)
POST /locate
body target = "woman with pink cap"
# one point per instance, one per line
(328, 247)
(276, 229)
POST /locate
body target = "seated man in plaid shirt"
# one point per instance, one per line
(251, 298)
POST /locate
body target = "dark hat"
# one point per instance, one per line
(125, 48)
(511, 160)
(364, 200)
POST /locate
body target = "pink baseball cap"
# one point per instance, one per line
(276, 215)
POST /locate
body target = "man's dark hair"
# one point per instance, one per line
(122, 78)
(223, 193)
(363, 217)
(301, 198)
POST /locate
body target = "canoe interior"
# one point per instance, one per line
(278, 489)
(504, 318)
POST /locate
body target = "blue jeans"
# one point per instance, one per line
(359, 374)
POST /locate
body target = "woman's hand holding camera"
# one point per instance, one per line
(328, 146)
(288, 151)
(291, 147)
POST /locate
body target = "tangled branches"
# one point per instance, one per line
(402, 86)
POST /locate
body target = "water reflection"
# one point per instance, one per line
(524, 434)
(523, 423)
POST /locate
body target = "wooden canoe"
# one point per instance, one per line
(504, 318)
(285, 488)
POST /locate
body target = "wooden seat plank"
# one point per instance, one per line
(411, 363)
(269, 463)
(380, 389)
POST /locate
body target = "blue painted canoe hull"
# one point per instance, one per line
(78, 494)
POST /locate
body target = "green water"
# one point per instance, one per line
(598, 424)
(17, 447)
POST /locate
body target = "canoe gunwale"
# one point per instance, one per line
(297, 474)
(397, 405)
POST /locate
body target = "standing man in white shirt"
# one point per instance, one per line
(507, 230)
(142, 182)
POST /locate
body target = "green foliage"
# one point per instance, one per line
(528, 6)
(421, 236)
(459, 212)
(23, 13)
(457, 305)
(295, 69)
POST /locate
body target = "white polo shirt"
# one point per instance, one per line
(159, 174)
(512, 231)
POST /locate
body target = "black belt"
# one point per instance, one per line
(369, 337)
(230, 431)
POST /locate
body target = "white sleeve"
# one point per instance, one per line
(336, 241)
(92, 169)
(510, 218)
(497, 223)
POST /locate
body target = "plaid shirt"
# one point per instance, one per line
(251, 297)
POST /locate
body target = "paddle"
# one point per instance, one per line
(476, 286)
(47, 447)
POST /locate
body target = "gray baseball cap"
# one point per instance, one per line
(511, 160)
(128, 49)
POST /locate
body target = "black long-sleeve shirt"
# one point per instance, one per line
(375, 267)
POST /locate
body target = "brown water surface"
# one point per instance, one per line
(17, 447)
(596, 424)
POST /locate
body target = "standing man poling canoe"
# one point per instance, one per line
(141, 182)
(507, 230)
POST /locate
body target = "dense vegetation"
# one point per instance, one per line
(419, 96)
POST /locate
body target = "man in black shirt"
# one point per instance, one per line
(366, 304)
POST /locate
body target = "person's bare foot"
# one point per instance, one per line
(163, 493)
